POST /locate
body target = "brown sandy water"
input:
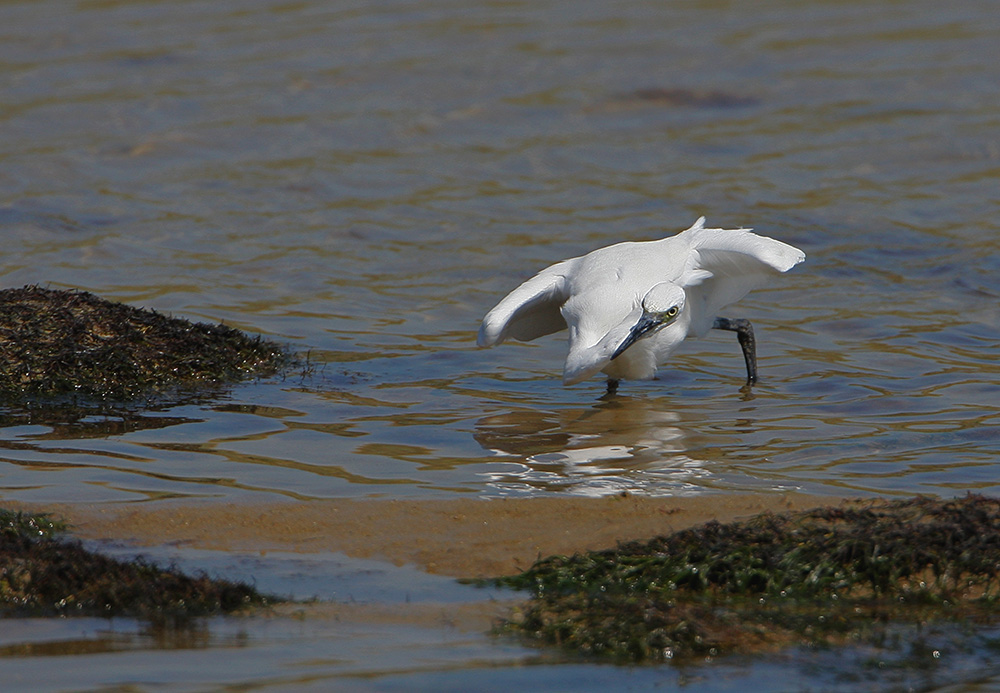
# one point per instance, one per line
(425, 623)
(458, 537)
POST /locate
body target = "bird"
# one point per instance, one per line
(628, 306)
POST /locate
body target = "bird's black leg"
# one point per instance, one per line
(612, 386)
(744, 333)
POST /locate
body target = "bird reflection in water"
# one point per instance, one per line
(621, 444)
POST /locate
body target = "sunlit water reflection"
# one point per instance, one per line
(376, 202)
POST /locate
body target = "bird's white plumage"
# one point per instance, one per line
(599, 296)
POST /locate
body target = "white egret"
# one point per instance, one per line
(629, 306)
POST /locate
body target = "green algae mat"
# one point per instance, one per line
(825, 576)
(44, 574)
(58, 343)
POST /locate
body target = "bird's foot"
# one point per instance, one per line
(744, 334)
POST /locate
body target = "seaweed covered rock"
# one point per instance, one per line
(56, 343)
(42, 574)
(773, 580)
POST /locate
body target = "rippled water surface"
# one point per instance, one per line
(362, 181)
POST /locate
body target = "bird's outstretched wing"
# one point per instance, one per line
(739, 262)
(531, 310)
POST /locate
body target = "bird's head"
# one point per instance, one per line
(661, 306)
(664, 301)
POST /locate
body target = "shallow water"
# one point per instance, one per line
(362, 182)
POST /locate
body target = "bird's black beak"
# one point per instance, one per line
(646, 325)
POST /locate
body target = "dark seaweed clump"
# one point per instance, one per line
(42, 574)
(777, 579)
(58, 343)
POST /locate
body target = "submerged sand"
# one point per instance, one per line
(461, 537)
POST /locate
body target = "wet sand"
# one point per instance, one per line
(456, 537)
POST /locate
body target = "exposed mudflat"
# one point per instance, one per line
(458, 537)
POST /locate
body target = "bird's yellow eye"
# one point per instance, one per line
(672, 311)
